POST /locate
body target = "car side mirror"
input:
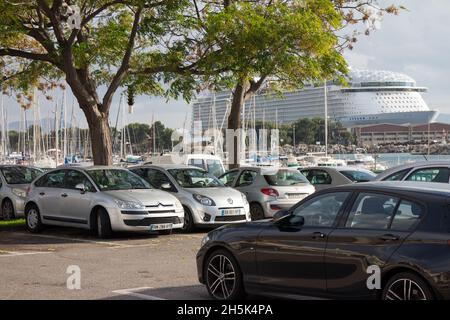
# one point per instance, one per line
(81, 187)
(297, 221)
(281, 214)
(166, 186)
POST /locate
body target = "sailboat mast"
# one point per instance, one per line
(65, 126)
(326, 117)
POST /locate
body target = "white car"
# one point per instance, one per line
(206, 201)
(268, 189)
(14, 182)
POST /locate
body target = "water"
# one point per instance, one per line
(395, 159)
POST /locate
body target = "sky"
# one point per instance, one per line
(416, 43)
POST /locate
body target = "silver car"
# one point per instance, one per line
(423, 171)
(14, 182)
(325, 177)
(102, 199)
(206, 201)
(268, 189)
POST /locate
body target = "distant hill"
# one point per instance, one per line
(46, 124)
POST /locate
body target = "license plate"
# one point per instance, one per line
(230, 212)
(161, 226)
(296, 195)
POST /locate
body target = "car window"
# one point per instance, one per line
(214, 167)
(397, 176)
(20, 175)
(321, 210)
(197, 163)
(406, 216)
(155, 177)
(358, 176)
(372, 211)
(430, 175)
(74, 177)
(319, 177)
(246, 178)
(195, 178)
(117, 179)
(54, 179)
(228, 178)
(285, 178)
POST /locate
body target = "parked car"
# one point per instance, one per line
(102, 199)
(331, 242)
(14, 182)
(206, 201)
(211, 163)
(268, 189)
(326, 177)
(424, 171)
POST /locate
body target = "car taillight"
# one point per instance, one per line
(448, 243)
(270, 192)
(28, 190)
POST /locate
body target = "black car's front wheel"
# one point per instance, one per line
(223, 277)
(407, 286)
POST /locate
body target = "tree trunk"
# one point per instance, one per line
(234, 120)
(100, 137)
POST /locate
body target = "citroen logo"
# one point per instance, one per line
(230, 201)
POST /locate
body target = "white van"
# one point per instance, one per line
(212, 164)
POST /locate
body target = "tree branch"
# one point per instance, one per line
(25, 55)
(123, 69)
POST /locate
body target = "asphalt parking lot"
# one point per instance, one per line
(128, 266)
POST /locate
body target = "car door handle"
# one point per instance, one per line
(318, 235)
(42, 193)
(389, 237)
(64, 195)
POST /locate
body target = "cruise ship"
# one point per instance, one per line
(371, 97)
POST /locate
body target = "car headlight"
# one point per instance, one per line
(205, 240)
(244, 198)
(19, 192)
(204, 200)
(178, 205)
(129, 204)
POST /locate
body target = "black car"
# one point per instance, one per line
(382, 240)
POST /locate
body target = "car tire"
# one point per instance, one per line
(188, 225)
(8, 210)
(218, 265)
(256, 211)
(33, 220)
(165, 232)
(104, 229)
(416, 288)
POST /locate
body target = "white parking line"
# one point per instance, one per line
(70, 239)
(132, 293)
(15, 254)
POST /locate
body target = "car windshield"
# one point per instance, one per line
(215, 167)
(358, 176)
(195, 178)
(20, 175)
(117, 179)
(285, 178)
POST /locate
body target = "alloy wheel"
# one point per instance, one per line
(32, 218)
(7, 210)
(221, 277)
(405, 289)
